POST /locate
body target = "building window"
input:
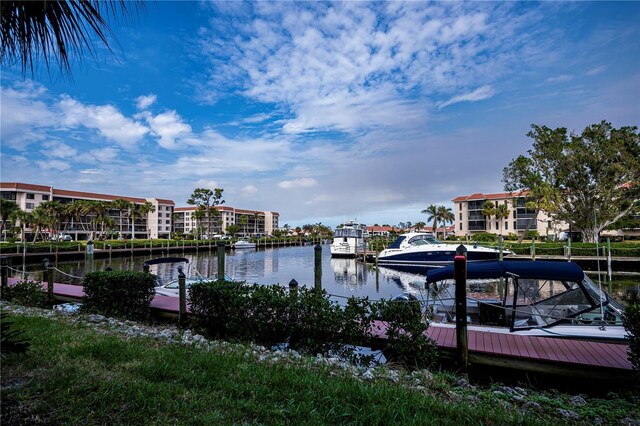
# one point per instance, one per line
(45, 197)
(168, 222)
(31, 196)
(506, 225)
(460, 206)
(460, 215)
(514, 225)
(29, 206)
(497, 225)
(461, 226)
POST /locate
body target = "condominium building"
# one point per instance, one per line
(157, 223)
(470, 219)
(186, 221)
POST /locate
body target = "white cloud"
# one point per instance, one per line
(106, 119)
(562, 78)
(54, 165)
(481, 93)
(249, 190)
(59, 150)
(169, 127)
(209, 184)
(298, 183)
(144, 102)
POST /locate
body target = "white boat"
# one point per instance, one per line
(243, 244)
(348, 239)
(535, 298)
(172, 289)
(416, 248)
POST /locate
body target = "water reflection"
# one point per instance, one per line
(340, 277)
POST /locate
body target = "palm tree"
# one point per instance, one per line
(144, 210)
(256, 216)
(243, 221)
(488, 209)
(7, 207)
(420, 226)
(502, 212)
(23, 219)
(198, 215)
(432, 212)
(446, 215)
(121, 205)
(56, 31)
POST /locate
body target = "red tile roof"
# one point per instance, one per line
(498, 196)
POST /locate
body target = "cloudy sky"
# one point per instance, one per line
(321, 111)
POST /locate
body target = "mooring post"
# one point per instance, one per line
(221, 246)
(293, 296)
(318, 267)
(47, 276)
(182, 293)
(89, 256)
(533, 249)
(569, 249)
(4, 272)
(460, 274)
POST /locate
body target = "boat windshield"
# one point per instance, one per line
(348, 232)
(423, 239)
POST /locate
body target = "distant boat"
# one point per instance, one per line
(243, 244)
(348, 239)
(423, 249)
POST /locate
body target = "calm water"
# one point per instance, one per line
(340, 277)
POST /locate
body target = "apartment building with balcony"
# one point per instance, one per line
(470, 220)
(155, 224)
(186, 221)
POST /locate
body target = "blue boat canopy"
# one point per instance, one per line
(563, 271)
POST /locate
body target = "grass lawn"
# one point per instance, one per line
(75, 375)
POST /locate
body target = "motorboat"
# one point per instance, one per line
(172, 288)
(243, 244)
(422, 248)
(349, 239)
(539, 298)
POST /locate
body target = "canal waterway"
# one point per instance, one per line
(341, 278)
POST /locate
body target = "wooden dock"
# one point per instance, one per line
(551, 355)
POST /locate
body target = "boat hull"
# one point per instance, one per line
(433, 257)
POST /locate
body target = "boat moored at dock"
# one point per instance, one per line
(349, 240)
(420, 248)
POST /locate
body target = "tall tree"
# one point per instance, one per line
(502, 212)
(7, 207)
(121, 205)
(207, 200)
(243, 221)
(146, 208)
(588, 180)
(432, 214)
(22, 219)
(56, 30)
(488, 210)
(446, 215)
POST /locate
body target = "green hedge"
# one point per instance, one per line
(631, 321)
(308, 321)
(123, 294)
(26, 293)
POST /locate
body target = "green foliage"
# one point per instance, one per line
(485, 237)
(631, 321)
(26, 293)
(407, 342)
(12, 340)
(532, 234)
(123, 294)
(307, 320)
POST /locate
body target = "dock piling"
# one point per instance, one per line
(220, 247)
(318, 267)
(460, 274)
(182, 294)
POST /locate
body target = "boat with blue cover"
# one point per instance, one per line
(543, 298)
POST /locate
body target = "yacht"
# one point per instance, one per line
(348, 239)
(416, 248)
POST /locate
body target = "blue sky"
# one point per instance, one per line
(323, 112)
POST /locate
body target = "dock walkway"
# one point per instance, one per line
(569, 357)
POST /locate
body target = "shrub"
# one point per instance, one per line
(631, 321)
(11, 340)
(123, 294)
(27, 293)
(485, 237)
(407, 342)
(511, 237)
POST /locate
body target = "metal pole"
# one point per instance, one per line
(318, 267)
(4, 275)
(220, 260)
(460, 274)
(569, 249)
(182, 292)
(89, 252)
(501, 257)
(609, 270)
